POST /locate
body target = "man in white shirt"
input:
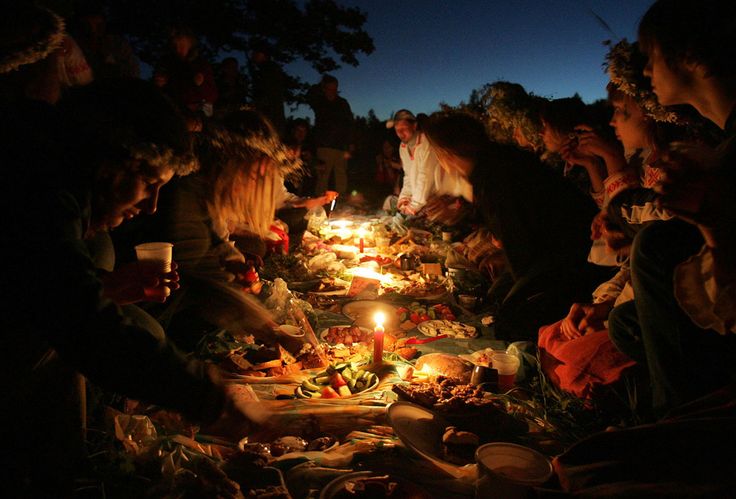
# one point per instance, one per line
(419, 162)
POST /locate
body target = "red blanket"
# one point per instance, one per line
(580, 365)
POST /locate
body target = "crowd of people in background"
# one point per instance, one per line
(617, 233)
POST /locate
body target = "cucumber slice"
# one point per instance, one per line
(322, 380)
(306, 385)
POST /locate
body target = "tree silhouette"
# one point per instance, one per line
(320, 32)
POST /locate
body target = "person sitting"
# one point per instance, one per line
(96, 160)
(540, 219)
(665, 325)
(238, 183)
(559, 118)
(418, 161)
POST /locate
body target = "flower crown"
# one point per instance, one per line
(49, 37)
(625, 66)
(236, 145)
(509, 106)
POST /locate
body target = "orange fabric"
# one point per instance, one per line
(578, 366)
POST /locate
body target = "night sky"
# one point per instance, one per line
(434, 51)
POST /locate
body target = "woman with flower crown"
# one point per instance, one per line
(576, 351)
(242, 168)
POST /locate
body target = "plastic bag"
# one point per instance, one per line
(281, 301)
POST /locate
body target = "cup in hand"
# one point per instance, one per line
(155, 256)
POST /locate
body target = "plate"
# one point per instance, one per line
(323, 333)
(433, 297)
(404, 487)
(362, 311)
(452, 329)
(303, 393)
(335, 292)
(420, 430)
(303, 286)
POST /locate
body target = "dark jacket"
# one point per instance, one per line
(333, 120)
(542, 220)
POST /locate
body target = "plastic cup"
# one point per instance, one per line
(155, 256)
(509, 470)
(468, 301)
(506, 365)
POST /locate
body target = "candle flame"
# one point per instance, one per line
(379, 318)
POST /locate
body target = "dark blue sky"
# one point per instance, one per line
(434, 51)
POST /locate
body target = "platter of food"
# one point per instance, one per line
(329, 286)
(362, 312)
(346, 334)
(337, 381)
(372, 484)
(431, 435)
(451, 329)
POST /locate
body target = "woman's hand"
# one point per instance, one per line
(585, 318)
(589, 143)
(132, 283)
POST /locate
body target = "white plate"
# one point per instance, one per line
(452, 329)
(334, 292)
(420, 430)
(362, 311)
(405, 488)
(323, 333)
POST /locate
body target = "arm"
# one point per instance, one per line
(89, 331)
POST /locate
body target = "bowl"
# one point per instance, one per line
(293, 331)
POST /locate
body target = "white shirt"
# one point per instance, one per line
(420, 171)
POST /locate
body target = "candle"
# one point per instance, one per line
(378, 338)
(361, 245)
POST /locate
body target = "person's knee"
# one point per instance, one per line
(622, 330)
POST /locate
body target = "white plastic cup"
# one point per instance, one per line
(509, 470)
(507, 365)
(156, 256)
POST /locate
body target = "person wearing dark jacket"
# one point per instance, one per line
(68, 173)
(333, 127)
(541, 220)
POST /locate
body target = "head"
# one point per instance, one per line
(559, 117)
(458, 139)
(513, 115)
(260, 52)
(183, 42)
(229, 67)
(244, 163)
(687, 40)
(329, 85)
(405, 125)
(387, 149)
(299, 130)
(633, 128)
(31, 44)
(132, 140)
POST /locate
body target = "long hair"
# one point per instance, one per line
(244, 164)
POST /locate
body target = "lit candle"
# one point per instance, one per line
(361, 234)
(378, 338)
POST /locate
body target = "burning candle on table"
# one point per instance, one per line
(361, 235)
(378, 332)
